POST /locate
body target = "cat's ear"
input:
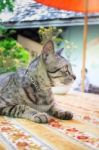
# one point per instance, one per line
(48, 47)
(59, 52)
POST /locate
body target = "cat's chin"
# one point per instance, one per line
(62, 84)
(61, 88)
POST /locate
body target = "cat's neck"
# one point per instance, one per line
(37, 74)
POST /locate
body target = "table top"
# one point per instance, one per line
(81, 133)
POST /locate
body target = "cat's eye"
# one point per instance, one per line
(64, 69)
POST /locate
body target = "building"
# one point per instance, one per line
(28, 16)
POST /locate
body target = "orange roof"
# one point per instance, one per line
(73, 5)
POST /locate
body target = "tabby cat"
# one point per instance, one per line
(27, 92)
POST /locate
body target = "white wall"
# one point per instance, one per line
(75, 35)
(30, 45)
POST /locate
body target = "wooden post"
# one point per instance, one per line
(84, 44)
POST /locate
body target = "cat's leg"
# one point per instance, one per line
(23, 111)
(61, 114)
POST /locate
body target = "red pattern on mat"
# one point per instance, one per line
(21, 140)
(88, 119)
(84, 137)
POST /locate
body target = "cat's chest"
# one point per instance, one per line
(45, 97)
(38, 96)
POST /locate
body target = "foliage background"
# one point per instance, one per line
(12, 55)
(9, 4)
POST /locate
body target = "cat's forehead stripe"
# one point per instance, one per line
(62, 63)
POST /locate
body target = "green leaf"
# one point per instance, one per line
(9, 4)
(12, 55)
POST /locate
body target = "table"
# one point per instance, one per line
(81, 133)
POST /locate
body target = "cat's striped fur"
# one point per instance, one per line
(27, 93)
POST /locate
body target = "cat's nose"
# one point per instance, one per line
(74, 77)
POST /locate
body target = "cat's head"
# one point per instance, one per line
(56, 65)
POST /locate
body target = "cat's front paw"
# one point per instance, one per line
(68, 115)
(41, 118)
(64, 115)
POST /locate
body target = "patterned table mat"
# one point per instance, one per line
(81, 133)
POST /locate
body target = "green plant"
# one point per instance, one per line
(12, 55)
(5, 33)
(6, 4)
(50, 33)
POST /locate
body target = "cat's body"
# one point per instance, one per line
(27, 93)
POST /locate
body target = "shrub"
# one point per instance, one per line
(12, 55)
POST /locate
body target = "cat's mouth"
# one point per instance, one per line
(66, 82)
(61, 83)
